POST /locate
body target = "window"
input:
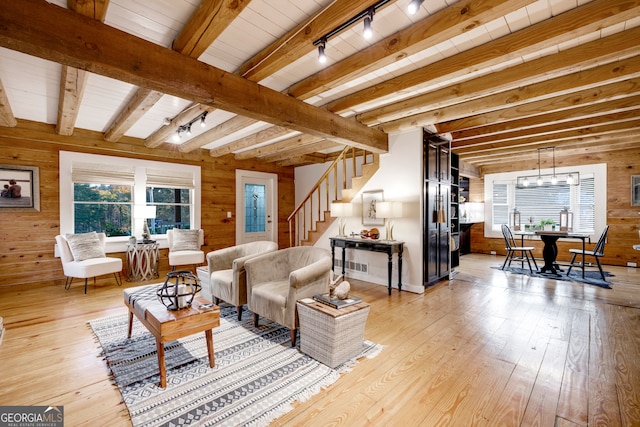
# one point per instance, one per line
(100, 193)
(587, 201)
(102, 199)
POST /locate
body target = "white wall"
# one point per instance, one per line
(400, 176)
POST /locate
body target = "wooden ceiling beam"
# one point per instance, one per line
(451, 21)
(160, 136)
(193, 40)
(576, 83)
(307, 159)
(72, 80)
(299, 41)
(460, 133)
(229, 127)
(550, 128)
(143, 100)
(94, 9)
(568, 148)
(257, 138)
(7, 118)
(279, 147)
(559, 138)
(574, 23)
(56, 34)
(208, 21)
(525, 74)
(322, 145)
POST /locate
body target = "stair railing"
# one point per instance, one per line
(310, 210)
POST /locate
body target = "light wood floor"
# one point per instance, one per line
(486, 348)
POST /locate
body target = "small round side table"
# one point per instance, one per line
(142, 261)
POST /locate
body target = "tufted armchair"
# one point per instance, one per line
(83, 256)
(227, 276)
(275, 281)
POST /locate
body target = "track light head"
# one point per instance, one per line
(368, 32)
(414, 5)
(203, 117)
(322, 58)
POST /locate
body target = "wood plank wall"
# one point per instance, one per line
(27, 238)
(623, 219)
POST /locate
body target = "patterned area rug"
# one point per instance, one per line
(257, 373)
(591, 277)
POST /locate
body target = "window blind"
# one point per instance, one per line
(169, 178)
(96, 173)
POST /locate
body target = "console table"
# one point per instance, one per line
(142, 261)
(388, 247)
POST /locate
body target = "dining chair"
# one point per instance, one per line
(525, 252)
(597, 252)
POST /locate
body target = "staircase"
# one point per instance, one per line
(344, 178)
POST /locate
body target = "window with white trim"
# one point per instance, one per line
(100, 193)
(586, 201)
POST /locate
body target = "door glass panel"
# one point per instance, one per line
(255, 208)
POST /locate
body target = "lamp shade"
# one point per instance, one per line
(144, 211)
(389, 209)
(341, 209)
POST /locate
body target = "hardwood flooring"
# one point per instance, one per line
(486, 348)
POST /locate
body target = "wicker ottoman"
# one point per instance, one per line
(329, 335)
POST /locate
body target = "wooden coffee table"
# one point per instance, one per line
(167, 325)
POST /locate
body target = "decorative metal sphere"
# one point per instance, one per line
(179, 289)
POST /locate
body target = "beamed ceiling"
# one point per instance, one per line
(503, 77)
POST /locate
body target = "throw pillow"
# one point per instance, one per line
(185, 240)
(85, 246)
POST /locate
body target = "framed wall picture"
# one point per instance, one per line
(20, 188)
(635, 190)
(369, 202)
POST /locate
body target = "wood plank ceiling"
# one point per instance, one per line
(503, 77)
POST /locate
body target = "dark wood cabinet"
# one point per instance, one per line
(437, 206)
(454, 211)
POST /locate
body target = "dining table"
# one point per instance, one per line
(550, 249)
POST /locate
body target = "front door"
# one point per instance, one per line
(256, 206)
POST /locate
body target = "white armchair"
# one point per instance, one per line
(83, 256)
(227, 276)
(277, 280)
(184, 247)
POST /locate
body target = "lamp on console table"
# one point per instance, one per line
(389, 210)
(341, 211)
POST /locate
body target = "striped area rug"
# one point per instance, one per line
(257, 373)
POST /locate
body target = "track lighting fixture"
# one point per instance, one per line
(366, 15)
(322, 58)
(186, 128)
(368, 32)
(414, 5)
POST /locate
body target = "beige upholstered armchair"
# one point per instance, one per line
(83, 256)
(184, 247)
(227, 277)
(275, 281)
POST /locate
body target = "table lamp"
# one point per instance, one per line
(389, 210)
(145, 212)
(341, 211)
